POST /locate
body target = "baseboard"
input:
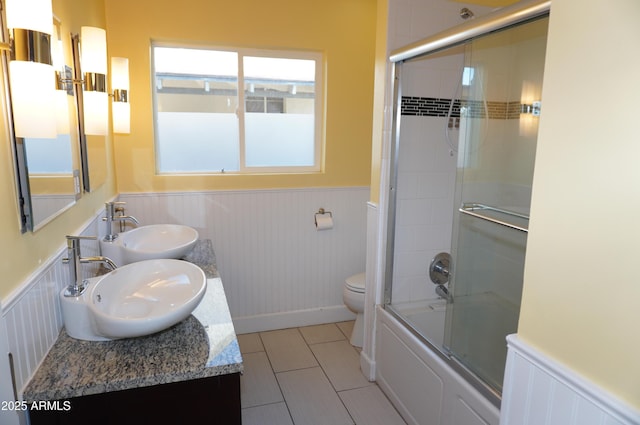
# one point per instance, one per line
(292, 319)
(367, 366)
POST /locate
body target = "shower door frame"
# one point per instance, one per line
(504, 18)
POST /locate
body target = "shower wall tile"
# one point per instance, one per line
(425, 187)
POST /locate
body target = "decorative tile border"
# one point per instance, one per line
(429, 106)
(440, 107)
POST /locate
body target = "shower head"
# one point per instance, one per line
(466, 13)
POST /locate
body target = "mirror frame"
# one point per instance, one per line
(77, 87)
(18, 149)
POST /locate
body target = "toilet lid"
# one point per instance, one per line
(356, 282)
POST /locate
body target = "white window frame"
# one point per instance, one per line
(319, 119)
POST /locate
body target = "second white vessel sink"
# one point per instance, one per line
(150, 242)
(157, 241)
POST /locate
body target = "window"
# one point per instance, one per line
(204, 123)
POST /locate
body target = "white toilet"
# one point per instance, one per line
(353, 296)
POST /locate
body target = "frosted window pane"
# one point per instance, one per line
(197, 142)
(199, 113)
(279, 140)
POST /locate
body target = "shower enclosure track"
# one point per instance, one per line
(496, 21)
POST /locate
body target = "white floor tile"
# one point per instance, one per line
(311, 398)
(341, 362)
(250, 343)
(258, 384)
(346, 328)
(270, 414)
(369, 406)
(300, 393)
(287, 350)
(321, 333)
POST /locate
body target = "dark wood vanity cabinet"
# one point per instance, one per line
(211, 401)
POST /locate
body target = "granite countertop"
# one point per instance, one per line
(201, 346)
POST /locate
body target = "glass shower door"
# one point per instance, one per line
(500, 106)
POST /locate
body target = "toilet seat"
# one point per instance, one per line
(356, 283)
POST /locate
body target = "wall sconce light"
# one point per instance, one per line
(94, 65)
(120, 85)
(30, 71)
(533, 108)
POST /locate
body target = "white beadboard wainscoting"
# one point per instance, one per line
(277, 269)
(31, 315)
(7, 417)
(540, 391)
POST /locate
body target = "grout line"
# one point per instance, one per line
(284, 399)
(331, 383)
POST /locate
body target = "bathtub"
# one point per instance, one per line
(427, 317)
(425, 385)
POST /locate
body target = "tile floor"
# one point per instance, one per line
(306, 376)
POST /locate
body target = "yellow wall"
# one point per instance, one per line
(343, 30)
(581, 301)
(22, 253)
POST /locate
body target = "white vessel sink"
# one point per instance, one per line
(138, 299)
(146, 297)
(157, 241)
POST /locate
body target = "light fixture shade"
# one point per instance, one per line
(121, 110)
(96, 113)
(93, 61)
(33, 99)
(62, 112)
(35, 15)
(121, 117)
(57, 49)
(94, 50)
(119, 73)
(32, 88)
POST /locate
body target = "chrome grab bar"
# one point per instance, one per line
(470, 209)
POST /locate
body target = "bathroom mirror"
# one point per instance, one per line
(47, 176)
(52, 177)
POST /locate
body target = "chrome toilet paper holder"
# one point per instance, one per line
(321, 211)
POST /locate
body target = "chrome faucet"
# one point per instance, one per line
(110, 216)
(74, 258)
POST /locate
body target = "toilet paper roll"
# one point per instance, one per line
(324, 222)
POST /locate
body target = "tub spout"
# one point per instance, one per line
(443, 292)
